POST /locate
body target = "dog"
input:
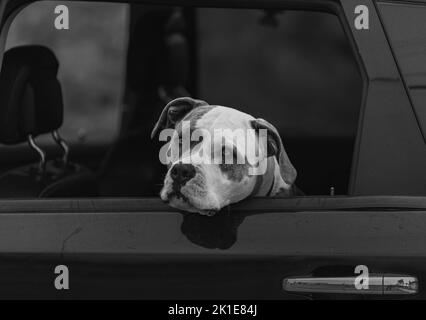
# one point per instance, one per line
(196, 185)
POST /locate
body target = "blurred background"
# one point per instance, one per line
(303, 64)
(299, 74)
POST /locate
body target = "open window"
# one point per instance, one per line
(119, 64)
(295, 69)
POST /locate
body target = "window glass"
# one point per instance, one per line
(295, 69)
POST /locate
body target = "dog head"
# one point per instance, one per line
(217, 155)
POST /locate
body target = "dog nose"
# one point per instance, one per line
(182, 172)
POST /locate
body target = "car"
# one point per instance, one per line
(352, 80)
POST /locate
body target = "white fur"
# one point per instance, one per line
(210, 189)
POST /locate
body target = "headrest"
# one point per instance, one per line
(30, 94)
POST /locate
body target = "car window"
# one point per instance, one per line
(120, 64)
(295, 69)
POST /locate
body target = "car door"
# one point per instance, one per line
(263, 249)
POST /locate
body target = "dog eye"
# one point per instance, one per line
(226, 154)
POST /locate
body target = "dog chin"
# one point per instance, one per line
(179, 204)
(184, 201)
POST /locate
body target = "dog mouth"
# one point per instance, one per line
(176, 194)
(180, 201)
(209, 213)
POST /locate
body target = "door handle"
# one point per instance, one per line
(379, 284)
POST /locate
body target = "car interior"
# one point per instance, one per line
(171, 52)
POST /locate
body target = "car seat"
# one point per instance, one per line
(31, 105)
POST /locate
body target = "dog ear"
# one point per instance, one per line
(174, 111)
(275, 147)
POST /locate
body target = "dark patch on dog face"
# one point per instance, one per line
(234, 172)
(193, 117)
